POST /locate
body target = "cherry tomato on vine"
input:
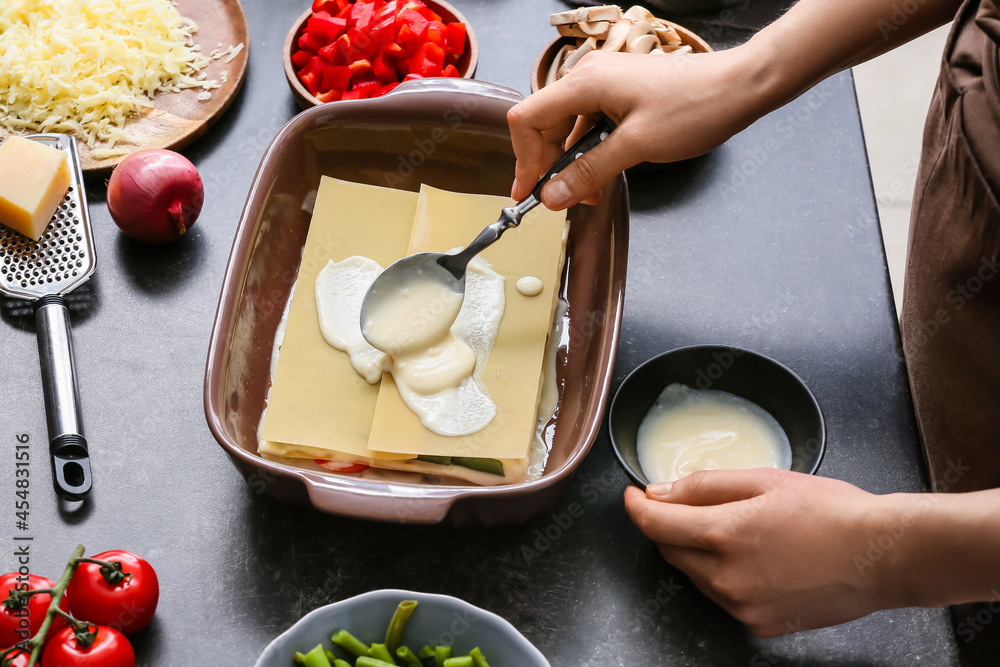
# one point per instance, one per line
(19, 659)
(124, 600)
(18, 625)
(109, 649)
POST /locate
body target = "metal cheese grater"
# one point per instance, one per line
(43, 272)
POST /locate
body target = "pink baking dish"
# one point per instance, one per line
(449, 133)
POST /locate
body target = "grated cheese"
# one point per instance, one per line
(87, 66)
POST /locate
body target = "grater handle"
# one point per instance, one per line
(70, 460)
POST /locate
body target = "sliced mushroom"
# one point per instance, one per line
(598, 29)
(639, 13)
(617, 36)
(553, 74)
(666, 33)
(637, 30)
(586, 15)
(643, 44)
(573, 58)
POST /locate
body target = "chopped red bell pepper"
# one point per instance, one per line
(422, 9)
(310, 42)
(330, 6)
(346, 52)
(361, 70)
(428, 60)
(436, 32)
(329, 96)
(341, 466)
(335, 78)
(416, 21)
(384, 67)
(325, 27)
(407, 40)
(310, 80)
(354, 95)
(450, 70)
(455, 37)
(386, 89)
(361, 14)
(369, 88)
(300, 59)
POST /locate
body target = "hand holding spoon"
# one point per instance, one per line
(408, 285)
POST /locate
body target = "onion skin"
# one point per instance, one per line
(155, 195)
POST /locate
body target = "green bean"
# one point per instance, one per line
(426, 652)
(394, 634)
(341, 663)
(439, 460)
(478, 658)
(491, 466)
(314, 658)
(464, 661)
(330, 657)
(365, 661)
(350, 643)
(406, 655)
(381, 652)
(441, 653)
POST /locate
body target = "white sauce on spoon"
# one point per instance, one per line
(414, 317)
(440, 381)
(690, 429)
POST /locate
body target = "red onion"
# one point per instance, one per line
(155, 195)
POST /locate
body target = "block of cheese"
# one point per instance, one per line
(319, 406)
(33, 180)
(513, 378)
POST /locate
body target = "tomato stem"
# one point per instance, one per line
(19, 599)
(36, 642)
(81, 629)
(111, 570)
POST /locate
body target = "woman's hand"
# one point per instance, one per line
(667, 108)
(780, 551)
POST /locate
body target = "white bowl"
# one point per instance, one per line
(438, 620)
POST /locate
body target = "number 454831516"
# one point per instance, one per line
(22, 460)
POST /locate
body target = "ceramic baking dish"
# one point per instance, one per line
(449, 133)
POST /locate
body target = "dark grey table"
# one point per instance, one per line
(771, 242)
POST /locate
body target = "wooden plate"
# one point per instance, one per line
(177, 119)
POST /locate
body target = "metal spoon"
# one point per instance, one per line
(450, 269)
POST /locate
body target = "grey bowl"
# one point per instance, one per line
(759, 379)
(438, 619)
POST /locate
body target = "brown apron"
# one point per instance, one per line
(951, 304)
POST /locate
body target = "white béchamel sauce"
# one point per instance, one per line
(340, 291)
(413, 318)
(441, 380)
(529, 286)
(690, 429)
